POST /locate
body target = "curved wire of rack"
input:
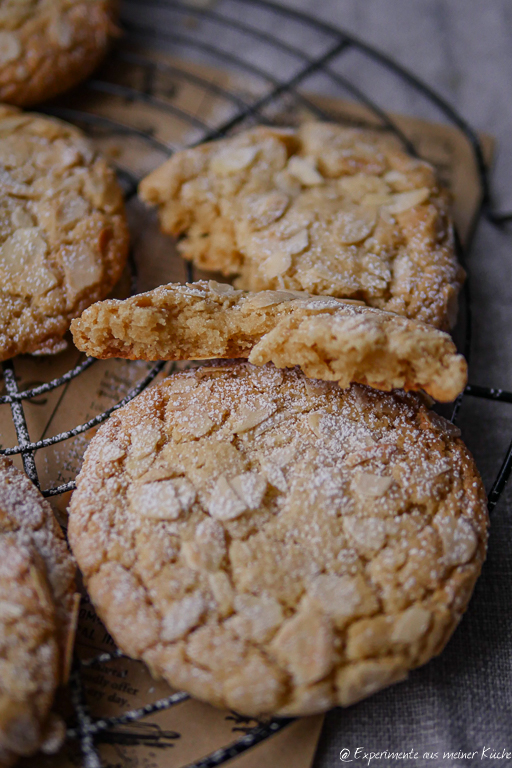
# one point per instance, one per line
(246, 109)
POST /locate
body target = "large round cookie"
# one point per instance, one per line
(273, 544)
(63, 233)
(37, 584)
(324, 209)
(48, 46)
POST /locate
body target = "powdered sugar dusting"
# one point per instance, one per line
(36, 594)
(315, 516)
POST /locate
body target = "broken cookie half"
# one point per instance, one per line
(328, 338)
(322, 208)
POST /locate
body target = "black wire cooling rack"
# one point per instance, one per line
(234, 35)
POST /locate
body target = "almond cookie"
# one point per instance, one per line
(37, 584)
(276, 545)
(324, 209)
(331, 339)
(63, 233)
(48, 46)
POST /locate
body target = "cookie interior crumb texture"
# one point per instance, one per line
(276, 545)
(330, 339)
(63, 233)
(48, 46)
(37, 584)
(324, 209)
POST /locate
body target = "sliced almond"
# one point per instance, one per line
(183, 385)
(262, 210)
(22, 255)
(21, 219)
(459, 539)
(164, 500)
(296, 244)
(101, 189)
(39, 280)
(229, 161)
(351, 227)
(185, 492)
(249, 418)
(223, 592)
(22, 250)
(304, 169)
(10, 47)
(268, 299)
(182, 616)
(16, 188)
(374, 199)
(367, 533)
(222, 289)
(58, 156)
(61, 32)
(287, 183)
(318, 272)
(42, 589)
(82, 268)
(357, 681)
(207, 550)
(389, 219)
(224, 503)
(361, 185)
(411, 625)
(281, 457)
(342, 597)
(277, 264)
(324, 302)
(250, 487)
(316, 387)
(402, 201)
(112, 452)
(144, 439)
(257, 617)
(380, 451)
(196, 421)
(275, 476)
(395, 178)
(374, 486)
(71, 211)
(445, 426)
(304, 645)
(314, 420)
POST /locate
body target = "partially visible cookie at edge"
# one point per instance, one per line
(275, 545)
(328, 338)
(63, 231)
(48, 46)
(324, 208)
(37, 614)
